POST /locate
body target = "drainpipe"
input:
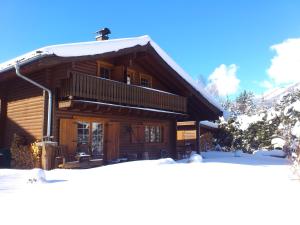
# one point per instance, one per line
(49, 97)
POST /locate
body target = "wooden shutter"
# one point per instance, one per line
(68, 135)
(137, 134)
(112, 134)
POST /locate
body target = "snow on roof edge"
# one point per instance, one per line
(81, 49)
(100, 47)
(209, 124)
(185, 75)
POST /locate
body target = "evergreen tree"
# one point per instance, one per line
(245, 103)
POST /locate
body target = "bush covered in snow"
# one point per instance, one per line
(255, 126)
(195, 158)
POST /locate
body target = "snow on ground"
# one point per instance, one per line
(274, 153)
(216, 188)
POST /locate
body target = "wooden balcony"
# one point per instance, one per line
(87, 87)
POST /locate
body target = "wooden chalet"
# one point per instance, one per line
(110, 99)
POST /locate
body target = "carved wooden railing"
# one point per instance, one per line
(83, 86)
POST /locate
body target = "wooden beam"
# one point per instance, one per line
(197, 136)
(3, 118)
(173, 138)
(65, 104)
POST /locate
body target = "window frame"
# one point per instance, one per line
(90, 135)
(105, 65)
(157, 131)
(146, 77)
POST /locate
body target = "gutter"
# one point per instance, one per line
(49, 119)
(21, 61)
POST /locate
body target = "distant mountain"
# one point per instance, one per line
(271, 97)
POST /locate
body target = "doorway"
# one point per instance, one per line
(90, 138)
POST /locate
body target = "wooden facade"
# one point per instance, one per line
(23, 109)
(187, 134)
(113, 105)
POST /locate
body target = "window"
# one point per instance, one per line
(153, 134)
(83, 133)
(145, 81)
(90, 138)
(83, 130)
(104, 72)
(97, 139)
(104, 69)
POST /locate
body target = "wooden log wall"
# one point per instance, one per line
(3, 109)
(117, 73)
(25, 109)
(129, 128)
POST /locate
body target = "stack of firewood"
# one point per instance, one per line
(24, 156)
(36, 151)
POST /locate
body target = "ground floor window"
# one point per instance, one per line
(83, 132)
(153, 134)
(90, 138)
(97, 139)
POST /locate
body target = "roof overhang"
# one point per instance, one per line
(109, 108)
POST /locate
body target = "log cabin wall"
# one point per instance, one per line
(25, 109)
(131, 129)
(186, 138)
(131, 138)
(3, 107)
(56, 75)
(89, 67)
(117, 73)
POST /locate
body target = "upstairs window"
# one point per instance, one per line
(104, 69)
(145, 81)
(104, 72)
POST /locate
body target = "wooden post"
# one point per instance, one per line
(197, 136)
(173, 138)
(48, 155)
(3, 112)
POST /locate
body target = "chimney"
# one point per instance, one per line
(103, 34)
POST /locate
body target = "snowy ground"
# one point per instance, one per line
(221, 190)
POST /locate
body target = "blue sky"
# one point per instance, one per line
(199, 35)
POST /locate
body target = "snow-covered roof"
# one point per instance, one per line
(209, 124)
(100, 47)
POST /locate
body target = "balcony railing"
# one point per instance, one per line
(83, 86)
